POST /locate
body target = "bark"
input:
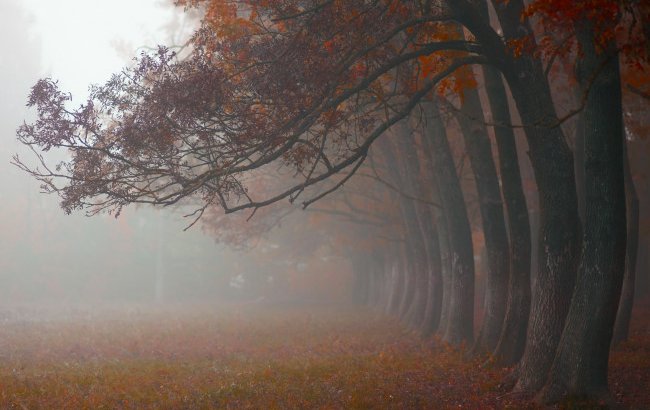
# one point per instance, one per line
(409, 282)
(439, 250)
(622, 327)
(642, 284)
(460, 314)
(435, 298)
(425, 309)
(580, 365)
(416, 219)
(401, 155)
(579, 157)
(445, 261)
(513, 334)
(479, 149)
(552, 161)
(559, 229)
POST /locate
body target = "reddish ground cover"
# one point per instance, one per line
(326, 358)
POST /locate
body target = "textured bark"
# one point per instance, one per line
(513, 334)
(579, 166)
(460, 314)
(552, 161)
(622, 327)
(477, 144)
(559, 232)
(580, 365)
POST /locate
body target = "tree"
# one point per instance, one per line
(304, 89)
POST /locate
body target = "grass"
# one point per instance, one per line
(281, 358)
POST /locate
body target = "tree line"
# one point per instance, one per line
(319, 93)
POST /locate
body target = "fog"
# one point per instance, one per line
(47, 256)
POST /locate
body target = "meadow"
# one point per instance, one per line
(256, 356)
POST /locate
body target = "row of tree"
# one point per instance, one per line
(308, 94)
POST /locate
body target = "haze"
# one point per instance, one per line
(46, 255)
(324, 204)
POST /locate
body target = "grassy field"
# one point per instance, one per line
(254, 357)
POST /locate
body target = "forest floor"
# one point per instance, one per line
(257, 357)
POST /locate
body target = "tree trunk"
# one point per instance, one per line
(479, 149)
(409, 282)
(579, 166)
(622, 327)
(402, 155)
(416, 220)
(460, 313)
(426, 313)
(643, 269)
(399, 273)
(559, 228)
(580, 365)
(445, 261)
(435, 299)
(552, 161)
(513, 334)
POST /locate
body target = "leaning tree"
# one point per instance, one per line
(308, 87)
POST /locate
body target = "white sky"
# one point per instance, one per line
(85, 41)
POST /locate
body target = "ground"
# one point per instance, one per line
(256, 357)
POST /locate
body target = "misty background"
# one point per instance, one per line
(47, 256)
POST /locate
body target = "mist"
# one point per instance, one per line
(324, 204)
(143, 256)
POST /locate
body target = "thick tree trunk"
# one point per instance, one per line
(622, 327)
(642, 284)
(579, 166)
(552, 160)
(559, 227)
(460, 314)
(580, 365)
(513, 334)
(479, 149)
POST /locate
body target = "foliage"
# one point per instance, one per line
(270, 87)
(275, 357)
